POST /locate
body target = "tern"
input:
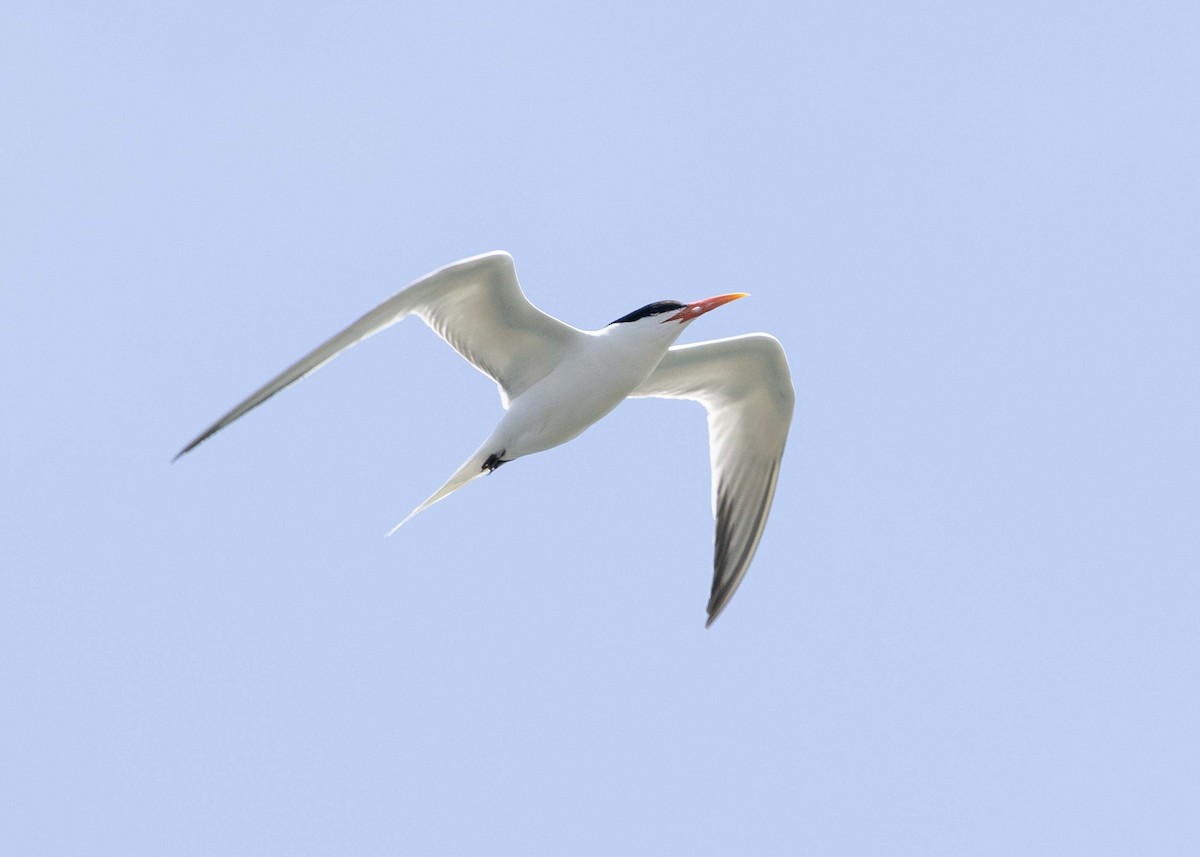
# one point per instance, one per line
(556, 380)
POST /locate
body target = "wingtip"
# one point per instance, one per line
(411, 515)
(716, 606)
(195, 443)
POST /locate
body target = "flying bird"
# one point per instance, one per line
(556, 380)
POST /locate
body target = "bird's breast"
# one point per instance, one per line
(579, 392)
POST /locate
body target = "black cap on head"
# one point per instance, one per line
(650, 309)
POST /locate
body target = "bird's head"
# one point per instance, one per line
(672, 316)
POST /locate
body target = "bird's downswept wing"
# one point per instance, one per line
(746, 387)
(476, 305)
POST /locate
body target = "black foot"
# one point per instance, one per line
(494, 460)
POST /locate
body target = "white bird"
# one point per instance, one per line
(555, 381)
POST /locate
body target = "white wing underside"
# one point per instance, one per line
(476, 305)
(744, 384)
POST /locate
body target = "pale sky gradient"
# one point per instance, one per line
(973, 625)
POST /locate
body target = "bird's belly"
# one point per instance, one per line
(564, 404)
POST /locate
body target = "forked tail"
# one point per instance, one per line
(477, 465)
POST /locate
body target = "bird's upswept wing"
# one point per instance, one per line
(744, 384)
(476, 305)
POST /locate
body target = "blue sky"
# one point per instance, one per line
(971, 627)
